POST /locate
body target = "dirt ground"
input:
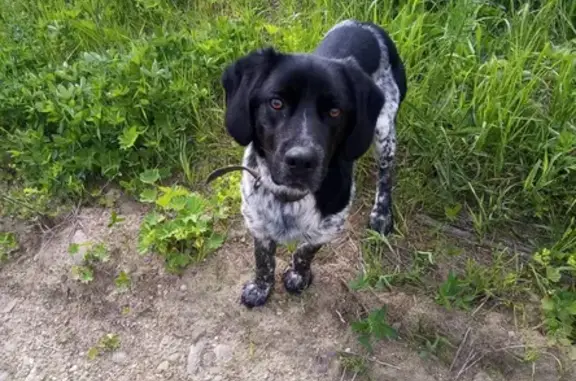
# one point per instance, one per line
(193, 327)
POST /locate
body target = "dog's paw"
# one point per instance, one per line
(381, 223)
(295, 282)
(255, 294)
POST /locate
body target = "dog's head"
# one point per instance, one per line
(301, 112)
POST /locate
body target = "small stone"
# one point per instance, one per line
(4, 376)
(120, 357)
(183, 287)
(217, 378)
(223, 352)
(197, 335)
(163, 366)
(208, 359)
(482, 376)
(276, 333)
(73, 368)
(174, 357)
(34, 375)
(194, 356)
(9, 307)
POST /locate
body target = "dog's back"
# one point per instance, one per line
(366, 42)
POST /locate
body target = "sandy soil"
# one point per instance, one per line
(193, 327)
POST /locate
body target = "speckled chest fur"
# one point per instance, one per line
(268, 218)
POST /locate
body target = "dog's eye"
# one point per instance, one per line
(335, 112)
(276, 103)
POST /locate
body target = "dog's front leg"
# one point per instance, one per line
(298, 276)
(381, 217)
(257, 291)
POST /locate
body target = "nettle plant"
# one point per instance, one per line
(182, 228)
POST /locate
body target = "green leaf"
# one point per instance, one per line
(178, 203)
(553, 274)
(123, 280)
(365, 341)
(547, 304)
(452, 212)
(149, 195)
(114, 219)
(128, 137)
(571, 308)
(150, 176)
(73, 248)
(93, 353)
(215, 241)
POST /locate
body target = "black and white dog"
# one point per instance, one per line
(304, 120)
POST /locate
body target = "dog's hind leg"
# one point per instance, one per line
(256, 292)
(381, 218)
(298, 276)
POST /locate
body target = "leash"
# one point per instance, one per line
(225, 170)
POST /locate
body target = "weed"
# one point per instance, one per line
(373, 327)
(181, 228)
(123, 281)
(107, 343)
(115, 219)
(94, 254)
(353, 364)
(8, 245)
(381, 273)
(454, 292)
(434, 345)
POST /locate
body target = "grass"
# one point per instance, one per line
(94, 93)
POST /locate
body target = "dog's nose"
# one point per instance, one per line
(301, 158)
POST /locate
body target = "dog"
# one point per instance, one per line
(304, 119)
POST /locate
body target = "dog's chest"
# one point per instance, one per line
(268, 218)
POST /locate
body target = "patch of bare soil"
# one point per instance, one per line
(193, 327)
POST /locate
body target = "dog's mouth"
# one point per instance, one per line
(286, 193)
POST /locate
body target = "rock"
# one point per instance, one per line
(197, 334)
(120, 357)
(34, 375)
(223, 352)
(163, 366)
(208, 359)
(9, 306)
(174, 357)
(194, 356)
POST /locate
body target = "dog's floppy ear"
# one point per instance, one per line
(369, 100)
(239, 80)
